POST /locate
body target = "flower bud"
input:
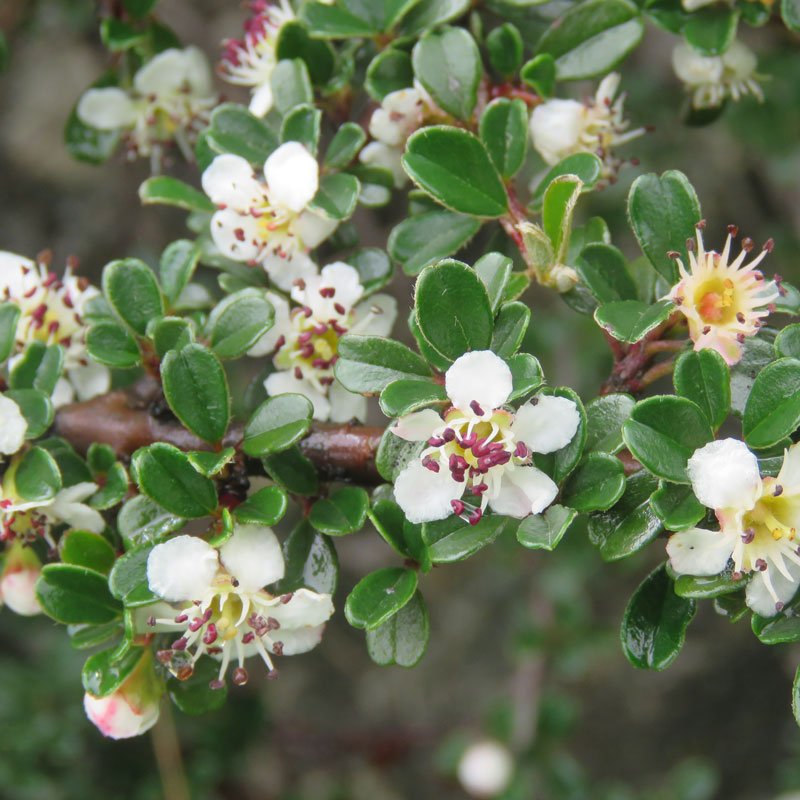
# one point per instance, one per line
(21, 570)
(485, 769)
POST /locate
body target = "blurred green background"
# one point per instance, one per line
(524, 647)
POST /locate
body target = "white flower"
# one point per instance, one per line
(224, 610)
(485, 769)
(13, 426)
(252, 60)
(170, 100)
(306, 339)
(710, 79)
(758, 519)
(267, 222)
(133, 708)
(52, 310)
(560, 128)
(480, 448)
(723, 302)
(21, 570)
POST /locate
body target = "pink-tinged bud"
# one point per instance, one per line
(130, 710)
(18, 581)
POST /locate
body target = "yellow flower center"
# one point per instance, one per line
(715, 301)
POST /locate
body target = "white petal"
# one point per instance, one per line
(229, 180)
(18, 591)
(295, 641)
(303, 608)
(313, 229)
(13, 426)
(607, 89)
(17, 274)
(758, 596)
(90, 380)
(482, 377)
(789, 476)
(281, 326)
(261, 101)
(485, 769)
(695, 69)
(63, 393)
(724, 474)
(253, 556)
(375, 316)
(556, 127)
(700, 552)
(417, 426)
(524, 491)
(345, 280)
(548, 425)
(378, 154)
(236, 235)
(116, 717)
(285, 381)
(165, 74)
(292, 176)
(68, 506)
(424, 495)
(345, 405)
(283, 272)
(106, 109)
(198, 72)
(182, 568)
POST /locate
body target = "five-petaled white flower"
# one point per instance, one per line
(224, 610)
(170, 100)
(481, 448)
(560, 128)
(13, 426)
(52, 310)
(711, 79)
(306, 338)
(758, 519)
(252, 60)
(268, 222)
(723, 302)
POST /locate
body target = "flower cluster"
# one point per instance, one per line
(712, 79)
(170, 101)
(723, 302)
(560, 128)
(758, 522)
(223, 609)
(479, 451)
(51, 312)
(268, 222)
(305, 338)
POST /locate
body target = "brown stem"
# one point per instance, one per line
(122, 420)
(167, 750)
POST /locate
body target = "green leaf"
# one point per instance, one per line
(787, 342)
(370, 363)
(139, 8)
(302, 124)
(167, 477)
(430, 13)
(75, 595)
(494, 269)
(167, 191)
(294, 41)
(663, 212)
(655, 623)
(112, 345)
(585, 166)
(452, 309)
(37, 477)
(86, 549)
(233, 129)
(334, 22)
(452, 539)
(277, 424)
(434, 159)
(177, 265)
(394, 454)
(239, 321)
(9, 317)
(36, 407)
(604, 271)
(677, 507)
(131, 288)
(264, 507)
(118, 36)
(704, 378)
(757, 353)
(170, 333)
(337, 196)
(705, 588)
(194, 696)
(104, 672)
(540, 74)
(344, 146)
(629, 525)
(379, 596)
(545, 531)
(790, 13)
(664, 432)
(505, 47)
(711, 30)
(128, 579)
(388, 72)
(197, 391)
(342, 512)
(40, 367)
(526, 375)
(596, 484)
(558, 208)
(592, 38)
(509, 328)
(772, 411)
(504, 131)
(448, 64)
(631, 320)
(403, 638)
(425, 238)
(210, 463)
(310, 562)
(291, 85)
(87, 637)
(374, 268)
(404, 396)
(605, 417)
(141, 521)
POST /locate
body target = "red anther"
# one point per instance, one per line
(707, 329)
(673, 254)
(272, 675)
(181, 618)
(701, 225)
(468, 442)
(733, 230)
(479, 489)
(760, 564)
(328, 292)
(210, 636)
(435, 441)
(341, 330)
(307, 312)
(239, 234)
(280, 342)
(151, 621)
(286, 598)
(476, 408)
(748, 244)
(475, 517)
(326, 381)
(320, 328)
(769, 245)
(240, 676)
(340, 309)
(298, 373)
(430, 463)
(448, 434)
(179, 644)
(216, 684)
(277, 648)
(299, 283)
(304, 337)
